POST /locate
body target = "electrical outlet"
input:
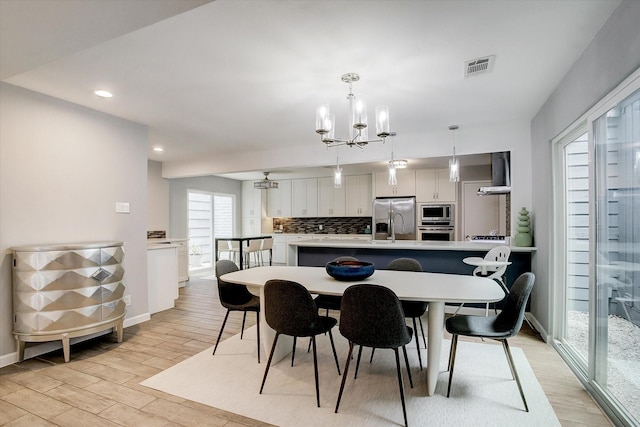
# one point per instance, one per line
(127, 300)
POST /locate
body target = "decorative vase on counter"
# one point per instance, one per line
(523, 235)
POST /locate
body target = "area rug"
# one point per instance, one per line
(482, 394)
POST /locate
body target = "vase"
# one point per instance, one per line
(523, 231)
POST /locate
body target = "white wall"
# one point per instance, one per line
(62, 169)
(612, 55)
(158, 198)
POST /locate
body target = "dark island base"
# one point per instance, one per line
(433, 261)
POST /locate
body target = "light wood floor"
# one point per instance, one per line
(99, 386)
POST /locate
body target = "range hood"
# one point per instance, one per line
(500, 175)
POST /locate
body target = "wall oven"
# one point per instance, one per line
(436, 223)
(436, 232)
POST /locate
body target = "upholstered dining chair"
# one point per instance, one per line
(412, 309)
(371, 316)
(235, 297)
(289, 309)
(500, 327)
(332, 302)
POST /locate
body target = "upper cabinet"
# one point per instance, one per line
(433, 185)
(304, 197)
(359, 195)
(251, 201)
(331, 200)
(406, 184)
(279, 200)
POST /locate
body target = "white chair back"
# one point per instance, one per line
(499, 253)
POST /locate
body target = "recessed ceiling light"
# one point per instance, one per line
(103, 93)
(158, 149)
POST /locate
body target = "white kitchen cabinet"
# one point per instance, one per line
(183, 260)
(304, 197)
(331, 200)
(279, 200)
(433, 185)
(162, 276)
(251, 226)
(251, 200)
(279, 250)
(359, 195)
(406, 186)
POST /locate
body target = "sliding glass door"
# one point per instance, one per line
(210, 216)
(598, 248)
(616, 369)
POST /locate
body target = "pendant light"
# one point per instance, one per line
(394, 165)
(454, 165)
(337, 174)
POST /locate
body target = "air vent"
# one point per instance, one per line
(478, 66)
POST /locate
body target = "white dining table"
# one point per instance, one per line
(434, 288)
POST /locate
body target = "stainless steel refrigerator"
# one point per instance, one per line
(394, 215)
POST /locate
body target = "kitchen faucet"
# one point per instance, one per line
(393, 224)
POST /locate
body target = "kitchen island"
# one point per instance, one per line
(435, 257)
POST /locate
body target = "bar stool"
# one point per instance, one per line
(254, 246)
(267, 246)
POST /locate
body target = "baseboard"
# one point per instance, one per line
(49, 346)
(538, 327)
(136, 319)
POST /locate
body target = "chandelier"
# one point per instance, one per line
(266, 183)
(325, 121)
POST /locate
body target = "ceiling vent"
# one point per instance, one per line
(479, 66)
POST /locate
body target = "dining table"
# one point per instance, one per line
(244, 241)
(434, 288)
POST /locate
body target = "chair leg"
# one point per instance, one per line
(505, 345)
(424, 338)
(335, 355)
(266, 371)
(373, 350)
(244, 317)
(258, 334)
(224, 322)
(315, 369)
(400, 385)
(293, 350)
(406, 362)
(415, 333)
(355, 374)
(344, 375)
(455, 313)
(452, 361)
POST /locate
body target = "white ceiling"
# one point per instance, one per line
(246, 76)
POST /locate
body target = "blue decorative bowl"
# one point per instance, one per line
(350, 271)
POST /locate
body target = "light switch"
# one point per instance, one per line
(122, 207)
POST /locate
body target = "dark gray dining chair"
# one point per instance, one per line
(500, 327)
(235, 297)
(412, 309)
(371, 316)
(289, 309)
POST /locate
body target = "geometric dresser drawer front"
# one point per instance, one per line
(112, 310)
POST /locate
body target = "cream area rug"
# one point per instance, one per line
(482, 394)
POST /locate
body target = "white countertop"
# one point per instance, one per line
(404, 244)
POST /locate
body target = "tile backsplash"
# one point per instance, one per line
(330, 225)
(157, 234)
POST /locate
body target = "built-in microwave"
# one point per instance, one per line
(436, 214)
